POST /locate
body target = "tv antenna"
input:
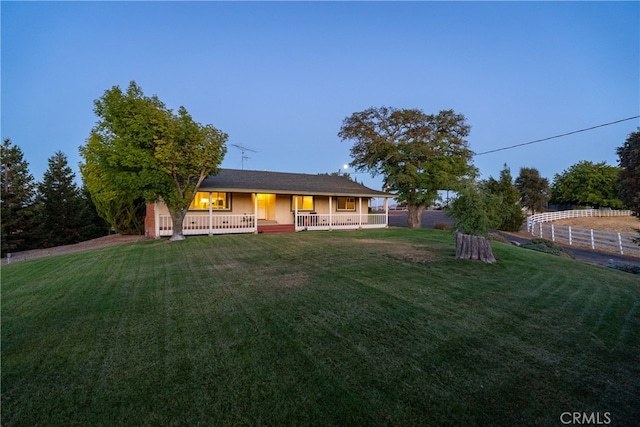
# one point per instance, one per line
(242, 152)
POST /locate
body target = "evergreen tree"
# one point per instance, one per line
(629, 178)
(61, 204)
(92, 225)
(503, 198)
(20, 221)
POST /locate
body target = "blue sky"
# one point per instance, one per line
(279, 77)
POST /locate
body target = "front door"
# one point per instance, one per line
(266, 204)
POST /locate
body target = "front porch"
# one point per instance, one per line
(199, 224)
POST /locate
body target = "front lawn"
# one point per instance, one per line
(320, 328)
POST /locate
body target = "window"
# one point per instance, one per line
(219, 201)
(305, 203)
(346, 204)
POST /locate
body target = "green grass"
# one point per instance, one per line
(353, 328)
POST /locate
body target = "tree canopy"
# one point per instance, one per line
(20, 225)
(417, 153)
(587, 183)
(140, 149)
(502, 202)
(629, 177)
(534, 189)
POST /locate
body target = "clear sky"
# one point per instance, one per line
(280, 77)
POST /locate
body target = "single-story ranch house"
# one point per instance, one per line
(244, 201)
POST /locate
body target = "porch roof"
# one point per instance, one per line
(248, 181)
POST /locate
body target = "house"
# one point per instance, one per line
(245, 201)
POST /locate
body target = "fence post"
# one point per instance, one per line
(593, 246)
(620, 244)
(570, 238)
(553, 233)
(540, 230)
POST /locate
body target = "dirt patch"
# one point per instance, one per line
(101, 242)
(620, 224)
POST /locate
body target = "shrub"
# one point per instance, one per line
(549, 247)
(627, 268)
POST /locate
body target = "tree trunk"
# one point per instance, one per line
(414, 218)
(474, 247)
(177, 218)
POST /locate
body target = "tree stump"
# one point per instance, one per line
(474, 247)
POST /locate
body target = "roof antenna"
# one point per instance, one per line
(242, 150)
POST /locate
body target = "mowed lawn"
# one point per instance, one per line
(379, 327)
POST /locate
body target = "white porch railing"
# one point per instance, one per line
(199, 224)
(195, 224)
(317, 222)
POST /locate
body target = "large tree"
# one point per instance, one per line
(416, 153)
(20, 214)
(534, 189)
(141, 149)
(629, 177)
(587, 183)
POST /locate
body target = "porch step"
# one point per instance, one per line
(276, 228)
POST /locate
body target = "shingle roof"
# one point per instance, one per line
(235, 180)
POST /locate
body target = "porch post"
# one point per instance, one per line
(210, 213)
(386, 211)
(156, 214)
(255, 213)
(295, 212)
(360, 212)
(330, 212)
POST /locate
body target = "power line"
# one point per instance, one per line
(556, 136)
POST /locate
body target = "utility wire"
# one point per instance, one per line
(556, 136)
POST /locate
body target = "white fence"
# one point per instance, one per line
(540, 225)
(315, 222)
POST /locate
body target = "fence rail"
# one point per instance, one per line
(314, 222)
(205, 224)
(541, 225)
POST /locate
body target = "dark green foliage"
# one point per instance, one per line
(627, 268)
(62, 204)
(534, 189)
(470, 212)
(20, 216)
(92, 225)
(587, 183)
(549, 247)
(629, 177)
(504, 210)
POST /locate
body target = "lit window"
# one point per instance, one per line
(218, 201)
(346, 204)
(305, 203)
